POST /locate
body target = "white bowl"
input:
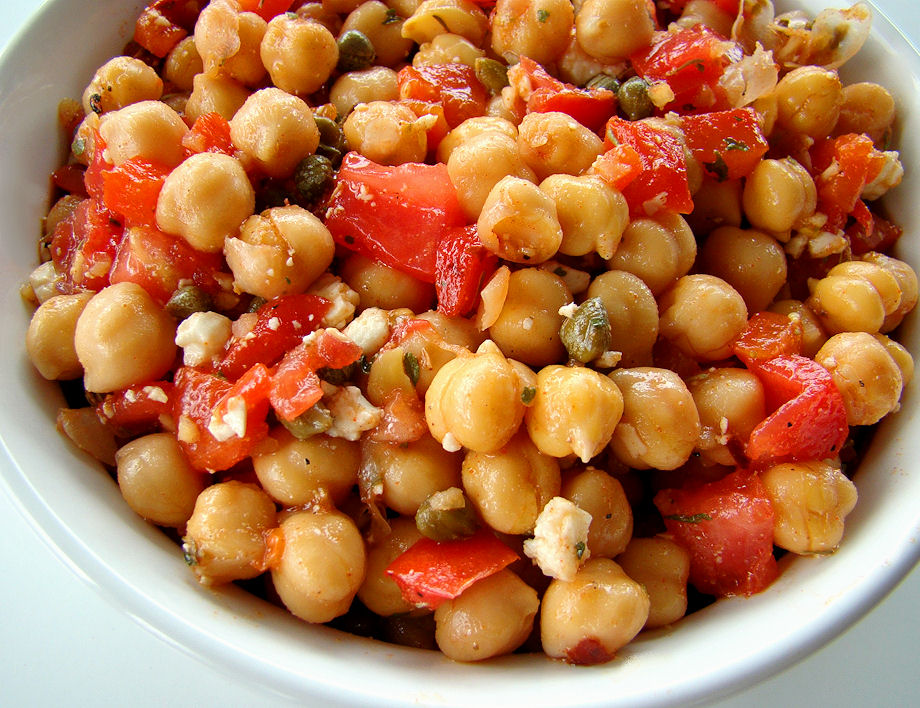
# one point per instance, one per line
(76, 505)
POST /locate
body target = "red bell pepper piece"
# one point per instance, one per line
(454, 86)
(209, 133)
(138, 409)
(767, 335)
(130, 190)
(164, 23)
(461, 264)
(728, 144)
(618, 166)
(83, 246)
(430, 572)
(857, 162)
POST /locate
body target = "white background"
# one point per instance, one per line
(63, 642)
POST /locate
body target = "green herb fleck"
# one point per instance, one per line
(698, 63)
(78, 147)
(442, 23)
(732, 144)
(95, 103)
(690, 518)
(560, 271)
(542, 15)
(189, 554)
(718, 168)
(391, 17)
(527, 394)
(580, 549)
(411, 367)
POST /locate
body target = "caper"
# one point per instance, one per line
(313, 177)
(446, 516)
(188, 299)
(330, 133)
(356, 51)
(313, 421)
(604, 81)
(492, 74)
(586, 334)
(634, 100)
(337, 377)
(256, 303)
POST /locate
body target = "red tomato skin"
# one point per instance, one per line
(430, 572)
(158, 262)
(618, 166)
(461, 264)
(130, 190)
(662, 182)
(727, 526)
(454, 86)
(809, 420)
(728, 144)
(209, 133)
(767, 335)
(138, 409)
(83, 246)
(393, 215)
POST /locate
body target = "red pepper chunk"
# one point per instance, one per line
(209, 133)
(809, 420)
(461, 264)
(164, 23)
(130, 190)
(430, 572)
(394, 215)
(138, 409)
(727, 526)
(767, 335)
(856, 162)
(454, 86)
(728, 144)
(84, 244)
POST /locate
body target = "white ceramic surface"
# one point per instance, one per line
(78, 510)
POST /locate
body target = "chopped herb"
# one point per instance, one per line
(580, 549)
(527, 394)
(364, 364)
(306, 460)
(560, 271)
(95, 103)
(698, 63)
(690, 518)
(442, 23)
(732, 144)
(411, 367)
(189, 555)
(542, 15)
(78, 147)
(718, 168)
(391, 17)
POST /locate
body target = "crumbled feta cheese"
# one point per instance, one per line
(187, 431)
(233, 422)
(352, 413)
(202, 336)
(450, 443)
(569, 310)
(344, 300)
(527, 324)
(274, 323)
(369, 330)
(560, 539)
(155, 393)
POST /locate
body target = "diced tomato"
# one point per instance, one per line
(159, 262)
(618, 166)
(394, 215)
(130, 190)
(461, 264)
(430, 572)
(98, 166)
(209, 133)
(281, 323)
(70, 179)
(137, 410)
(727, 526)
(295, 387)
(728, 144)
(249, 392)
(197, 393)
(589, 106)
(266, 9)
(83, 246)
(856, 162)
(768, 335)
(164, 23)
(691, 61)
(436, 132)
(881, 236)
(454, 86)
(809, 419)
(662, 182)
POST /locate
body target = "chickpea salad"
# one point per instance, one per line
(484, 326)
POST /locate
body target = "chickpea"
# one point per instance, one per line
(778, 194)
(182, 64)
(283, 250)
(527, 328)
(123, 338)
(378, 285)
(574, 412)
(901, 357)
(375, 84)
(730, 402)
(586, 620)
(148, 129)
(288, 39)
(215, 94)
(611, 30)
(592, 214)
(510, 487)
(322, 564)
(157, 481)
(492, 617)
(455, 330)
(632, 313)
(205, 199)
(537, 29)
(867, 108)
(477, 164)
(907, 281)
(662, 567)
(602, 496)
(120, 82)
(865, 373)
(379, 592)
(518, 222)
(702, 315)
(301, 472)
(552, 143)
(813, 335)
(387, 133)
(708, 14)
(228, 42)
(752, 262)
(809, 99)
(434, 17)
(810, 502)
(50, 336)
(660, 425)
(469, 129)
(225, 536)
(658, 250)
(377, 22)
(855, 296)
(716, 203)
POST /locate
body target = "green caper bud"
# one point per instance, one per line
(188, 299)
(337, 377)
(313, 421)
(313, 177)
(492, 74)
(586, 334)
(633, 98)
(604, 81)
(446, 516)
(256, 303)
(356, 51)
(330, 133)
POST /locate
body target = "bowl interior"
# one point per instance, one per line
(78, 508)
